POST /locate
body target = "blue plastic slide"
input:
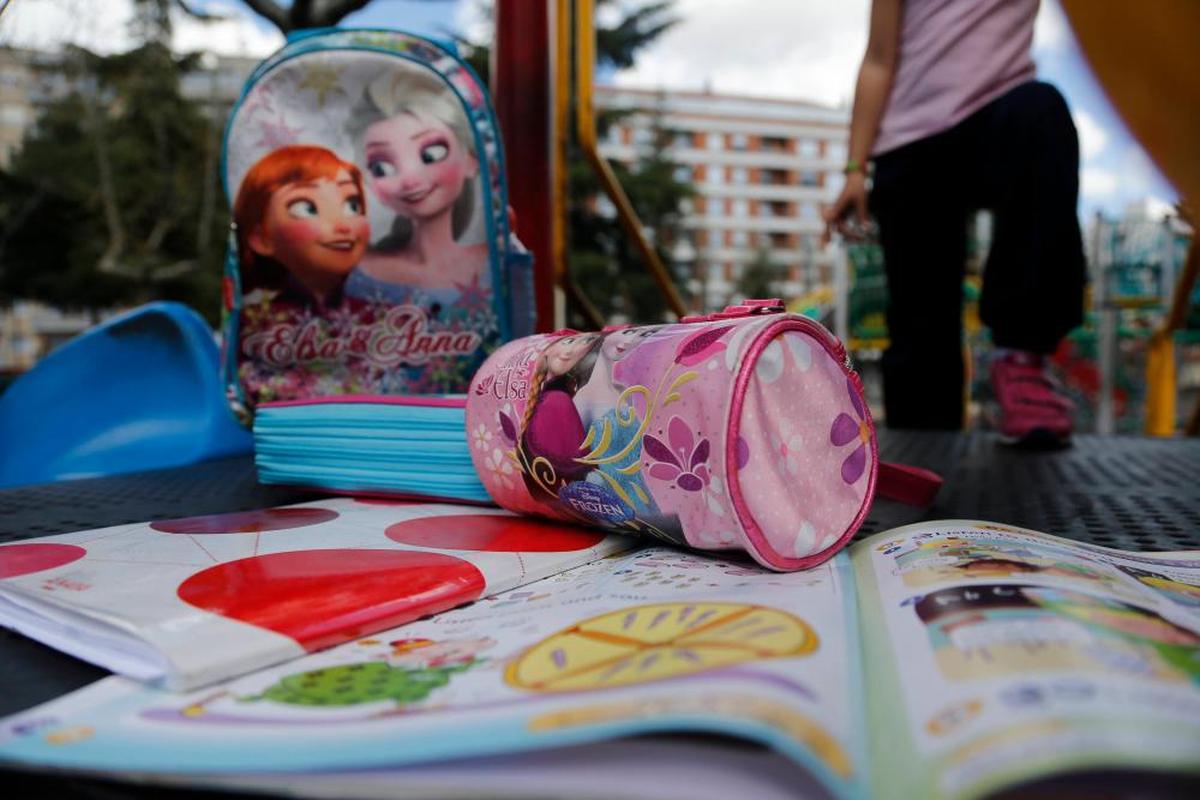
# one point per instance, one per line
(140, 391)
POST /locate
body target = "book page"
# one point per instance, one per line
(998, 655)
(188, 602)
(652, 641)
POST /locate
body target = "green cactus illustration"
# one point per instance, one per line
(358, 683)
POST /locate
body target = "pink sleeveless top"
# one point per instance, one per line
(955, 57)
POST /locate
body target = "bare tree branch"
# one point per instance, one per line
(300, 14)
(331, 12)
(272, 11)
(195, 13)
(115, 247)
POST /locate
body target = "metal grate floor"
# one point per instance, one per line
(1131, 493)
(210, 487)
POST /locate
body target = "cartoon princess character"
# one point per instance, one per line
(419, 152)
(301, 225)
(613, 424)
(551, 433)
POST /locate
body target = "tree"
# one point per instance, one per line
(111, 199)
(298, 14)
(604, 262)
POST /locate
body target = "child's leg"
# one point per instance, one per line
(1033, 284)
(919, 205)
(1028, 155)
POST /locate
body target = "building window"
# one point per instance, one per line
(683, 140)
(808, 148)
(834, 181)
(714, 141)
(774, 144)
(683, 173)
(810, 177)
(643, 136)
(739, 176)
(713, 175)
(740, 239)
(739, 209)
(836, 151)
(738, 141)
(808, 211)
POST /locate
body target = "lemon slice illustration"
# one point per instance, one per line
(658, 641)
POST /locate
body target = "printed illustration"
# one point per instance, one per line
(358, 683)
(419, 154)
(659, 641)
(364, 204)
(550, 433)
(950, 559)
(1177, 591)
(301, 223)
(582, 443)
(414, 669)
(994, 630)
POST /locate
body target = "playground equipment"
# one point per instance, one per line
(543, 49)
(140, 391)
(1144, 59)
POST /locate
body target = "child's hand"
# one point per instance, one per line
(848, 214)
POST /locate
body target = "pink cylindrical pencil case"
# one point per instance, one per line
(745, 429)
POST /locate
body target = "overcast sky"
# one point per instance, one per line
(803, 49)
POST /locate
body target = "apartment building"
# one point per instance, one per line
(762, 169)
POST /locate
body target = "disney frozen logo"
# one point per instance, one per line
(595, 501)
(401, 337)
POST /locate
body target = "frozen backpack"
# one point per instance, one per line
(371, 251)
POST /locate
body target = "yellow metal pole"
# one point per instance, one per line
(585, 124)
(1161, 390)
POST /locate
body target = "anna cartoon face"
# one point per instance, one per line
(316, 228)
(417, 165)
(561, 355)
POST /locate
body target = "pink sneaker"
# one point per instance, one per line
(1033, 411)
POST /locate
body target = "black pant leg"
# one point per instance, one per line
(921, 210)
(1025, 150)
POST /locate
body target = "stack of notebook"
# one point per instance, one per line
(396, 446)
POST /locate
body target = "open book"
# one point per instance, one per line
(186, 602)
(944, 659)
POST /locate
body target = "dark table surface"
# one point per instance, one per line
(1128, 492)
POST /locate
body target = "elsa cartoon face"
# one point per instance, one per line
(618, 343)
(417, 165)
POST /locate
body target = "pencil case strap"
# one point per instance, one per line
(904, 483)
